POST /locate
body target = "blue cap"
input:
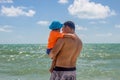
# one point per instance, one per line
(55, 25)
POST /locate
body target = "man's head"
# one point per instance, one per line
(69, 27)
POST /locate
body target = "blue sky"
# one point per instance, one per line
(27, 21)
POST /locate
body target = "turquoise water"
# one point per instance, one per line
(30, 62)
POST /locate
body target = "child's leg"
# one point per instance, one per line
(48, 51)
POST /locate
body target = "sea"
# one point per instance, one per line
(30, 62)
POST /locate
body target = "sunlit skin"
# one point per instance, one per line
(66, 29)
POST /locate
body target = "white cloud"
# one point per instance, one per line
(80, 28)
(84, 9)
(6, 1)
(43, 23)
(5, 28)
(117, 26)
(16, 11)
(63, 1)
(104, 35)
(98, 22)
(30, 13)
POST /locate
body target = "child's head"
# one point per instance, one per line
(55, 25)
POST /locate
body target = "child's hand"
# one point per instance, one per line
(73, 36)
(70, 35)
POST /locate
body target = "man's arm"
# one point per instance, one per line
(55, 50)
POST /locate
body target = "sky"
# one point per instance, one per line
(27, 21)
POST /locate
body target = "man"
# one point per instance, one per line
(65, 54)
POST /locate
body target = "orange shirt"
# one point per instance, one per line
(53, 36)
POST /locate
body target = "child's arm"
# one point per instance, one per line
(69, 35)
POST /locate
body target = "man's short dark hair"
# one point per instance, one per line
(70, 24)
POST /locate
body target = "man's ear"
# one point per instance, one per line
(73, 30)
(69, 29)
